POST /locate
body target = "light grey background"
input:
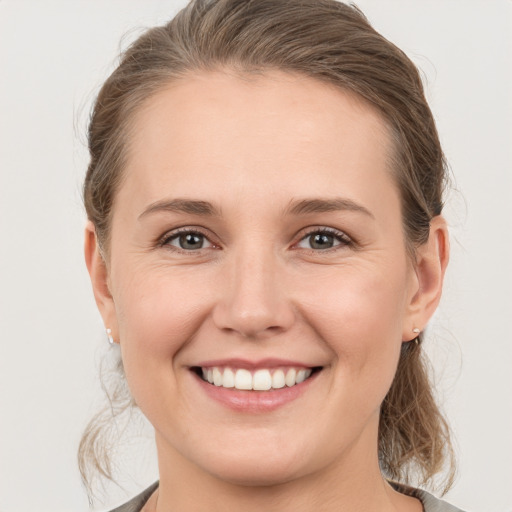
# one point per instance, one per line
(53, 57)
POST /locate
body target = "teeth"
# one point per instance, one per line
(278, 380)
(301, 376)
(261, 380)
(243, 379)
(217, 377)
(228, 379)
(290, 377)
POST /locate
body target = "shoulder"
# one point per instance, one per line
(433, 504)
(136, 504)
(430, 503)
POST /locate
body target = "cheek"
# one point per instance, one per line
(158, 312)
(359, 313)
(159, 301)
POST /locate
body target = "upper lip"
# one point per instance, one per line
(253, 365)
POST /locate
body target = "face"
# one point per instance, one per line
(257, 243)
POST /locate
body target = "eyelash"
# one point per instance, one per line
(165, 240)
(343, 239)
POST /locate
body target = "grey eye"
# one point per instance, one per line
(321, 241)
(189, 241)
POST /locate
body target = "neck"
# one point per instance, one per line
(353, 484)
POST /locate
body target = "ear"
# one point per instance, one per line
(429, 269)
(98, 272)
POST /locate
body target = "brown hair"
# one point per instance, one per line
(331, 42)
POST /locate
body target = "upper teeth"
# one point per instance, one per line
(260, 380)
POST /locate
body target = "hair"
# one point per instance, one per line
(331, 42)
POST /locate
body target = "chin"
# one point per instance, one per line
(254, 460)
(255, 473)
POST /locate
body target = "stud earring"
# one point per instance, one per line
(416, 330)
(416, 340)
(109, 336)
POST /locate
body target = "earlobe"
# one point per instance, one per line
(431, 262)
(98, 273)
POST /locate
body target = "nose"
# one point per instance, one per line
(253, 301)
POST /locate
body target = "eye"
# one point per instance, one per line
(187, 241)
(323, 239)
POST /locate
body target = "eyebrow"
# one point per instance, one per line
(297, 207)
(306, 206)
(190, 206)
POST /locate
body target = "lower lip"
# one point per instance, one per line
(255, 401)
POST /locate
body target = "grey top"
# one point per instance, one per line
(135, 504)
(430, 503)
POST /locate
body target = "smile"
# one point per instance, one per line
(263, 379)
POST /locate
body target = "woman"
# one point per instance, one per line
(265, 243)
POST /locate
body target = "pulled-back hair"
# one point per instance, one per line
(330, 42)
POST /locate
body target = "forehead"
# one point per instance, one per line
(273, 130)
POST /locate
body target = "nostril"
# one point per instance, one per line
(253, 312)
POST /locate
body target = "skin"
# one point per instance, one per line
(252, 147)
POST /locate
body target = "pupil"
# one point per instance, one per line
(191, 241)
(321, 241)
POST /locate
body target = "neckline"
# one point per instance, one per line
(427, 500)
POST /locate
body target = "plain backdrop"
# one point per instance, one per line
(54, 55)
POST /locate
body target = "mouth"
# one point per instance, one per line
(261, 379)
